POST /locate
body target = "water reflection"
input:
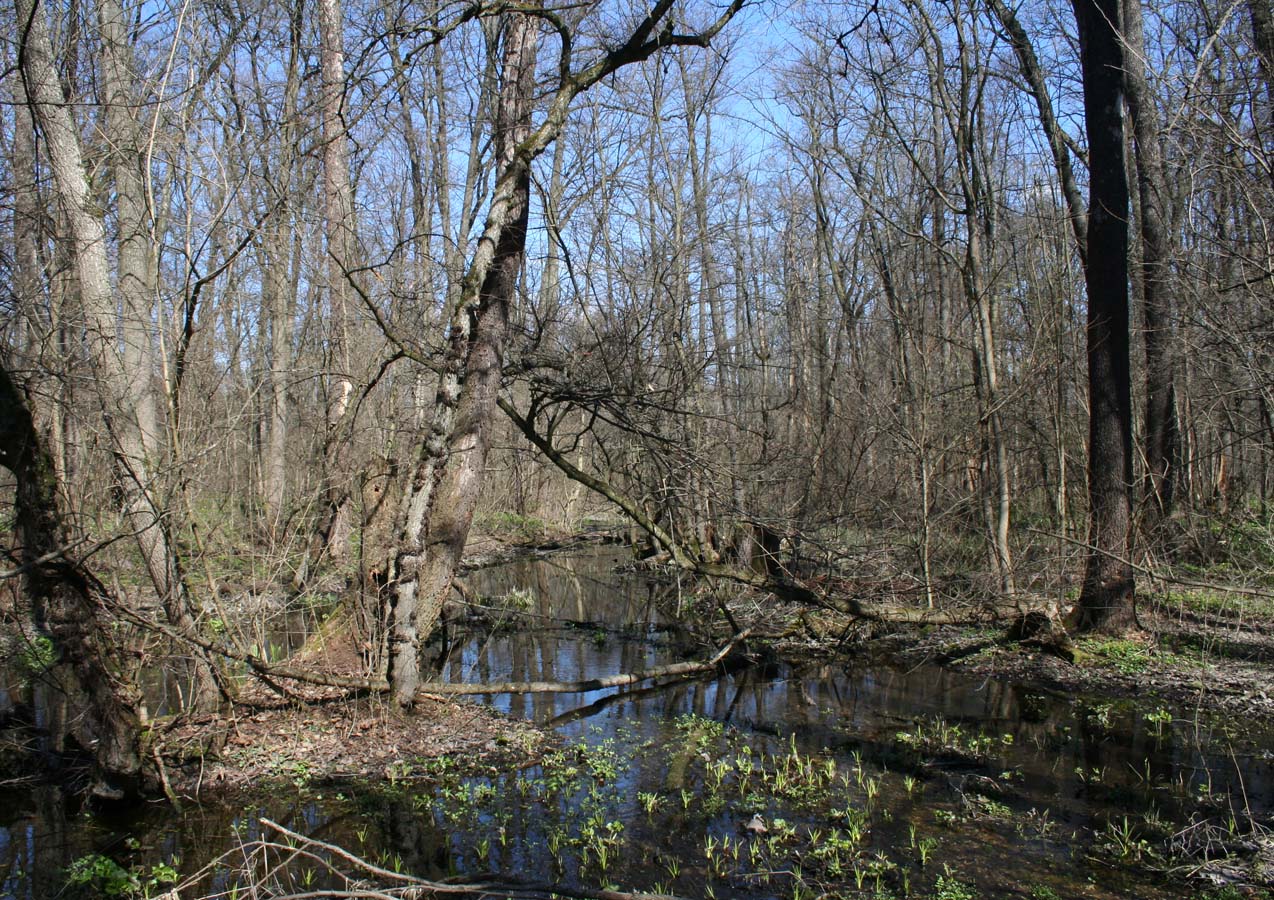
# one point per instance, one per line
(1076, 753)
(1081, 760)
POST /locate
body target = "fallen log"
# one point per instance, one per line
(673, 670)
(264, 669)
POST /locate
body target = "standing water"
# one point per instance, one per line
(780, 780)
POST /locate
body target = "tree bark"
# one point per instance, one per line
(1029, 64)
(429, 562)
(135, 266)
(438, 520)
(67, 604)
(115, 381)
(338, 214)
(279, 286)
(1161, 430)
(1106, 601)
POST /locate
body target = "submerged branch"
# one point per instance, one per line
(396, 885)
(267, 670)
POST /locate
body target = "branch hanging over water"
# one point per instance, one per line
(780, 586)
(396, 885)
(267, 670)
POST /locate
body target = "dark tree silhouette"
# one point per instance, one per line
(1106, 602)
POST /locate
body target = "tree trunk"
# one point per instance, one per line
(1029, 65)
(135, 266)
(430, 557)
(67, 603)
(1106, 601)
(1161, 431)
(280, 287)
(438, 519)
(338, 214)
(115, 381)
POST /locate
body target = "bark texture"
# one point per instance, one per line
(338, 212)
(68, 603)
(116, 378)
(1161, 431)
(1106, 601)
(432, 555)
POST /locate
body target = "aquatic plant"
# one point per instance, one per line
(98, 875)
(948, 887)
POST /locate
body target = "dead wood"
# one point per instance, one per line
(391, 885)
(267, 670)
(674, 670)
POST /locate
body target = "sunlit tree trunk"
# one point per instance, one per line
(338, 216)
(116, 379)
(427, 565)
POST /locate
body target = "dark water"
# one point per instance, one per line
(870, 782)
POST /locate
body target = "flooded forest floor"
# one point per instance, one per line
(828, 757)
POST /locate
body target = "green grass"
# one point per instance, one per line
(513, 525)
(1129, 657)
(1217, 602)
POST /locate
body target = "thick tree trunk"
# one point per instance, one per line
(1263, 38)
(116, 382)
(67, 602)
(431, 555)
(1106, 601)
(437, 518)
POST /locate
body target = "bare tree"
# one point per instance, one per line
(433, 542)
(118, 381)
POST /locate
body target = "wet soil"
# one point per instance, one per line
(1004, 760)
(1209, 664)
(290, 733)
(340, 740)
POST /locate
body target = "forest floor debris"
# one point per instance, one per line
(1211, 665)
(342, 740)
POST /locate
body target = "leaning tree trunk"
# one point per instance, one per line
(1033, 74)
(429, 560)
(434, 532)
(68, 603)
(1106, 601)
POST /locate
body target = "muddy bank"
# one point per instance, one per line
(337, 740)
(1185, 666)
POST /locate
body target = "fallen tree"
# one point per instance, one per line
(778, 583)
(673, 670)
(271, 673)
